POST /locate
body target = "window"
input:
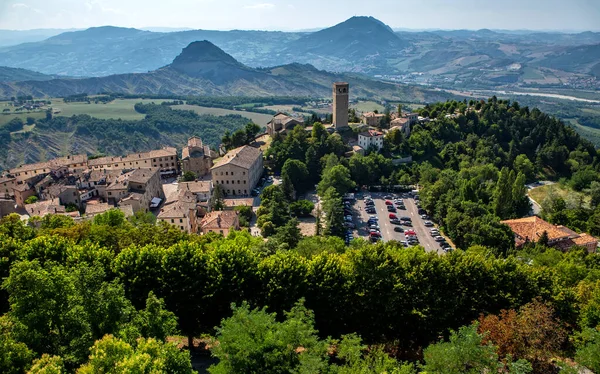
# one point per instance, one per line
(239, 181)
(221, 231)
(227, 182)
(244, 181)
(232, 173)
(245, 192)
(243, 173)
(160, 159)
(172, 220)
(74, 194)
(181, 220)
(172, 164)
(110, 194)
(161, 165)
(226, 173)
(171, 157)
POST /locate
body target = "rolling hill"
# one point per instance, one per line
(204, 69)
(16, 74)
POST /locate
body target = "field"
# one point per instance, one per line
(120, 108)
(539, 193)
(368, 106)
(258, 118)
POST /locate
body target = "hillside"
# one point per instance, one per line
(204, 69)
(15, 74)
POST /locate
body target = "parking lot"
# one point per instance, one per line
(386, 228)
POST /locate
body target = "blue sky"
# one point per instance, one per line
(301, 14)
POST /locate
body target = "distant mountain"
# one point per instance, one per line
(470, 59)
(357, 37)
(15, 75)
(102, 51)
(14, 37)
(204, 69)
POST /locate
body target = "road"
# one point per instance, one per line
(387, 228)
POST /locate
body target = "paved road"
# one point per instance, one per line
(423, 232)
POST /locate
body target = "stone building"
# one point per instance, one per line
(6, 186)
(197, 157)
(340, 104)
(202, 190)
(136, 188)
(58, 167)
(372, 119)
(165, 159)
(21, 192)
(181, 212)
(282, 123)
(220, 222)
(239, 170)
(402, 124)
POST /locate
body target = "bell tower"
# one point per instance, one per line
(340, 104)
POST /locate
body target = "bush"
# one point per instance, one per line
(302, 208)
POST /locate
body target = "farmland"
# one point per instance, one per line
(258, 118)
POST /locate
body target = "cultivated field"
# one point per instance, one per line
(258, 118)
(540, 193)
(368, 106)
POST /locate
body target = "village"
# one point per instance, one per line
(152, 182)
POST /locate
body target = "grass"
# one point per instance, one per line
(120, 108)
(258, 118)
(368, 106)
(540, 193)
(531, 73)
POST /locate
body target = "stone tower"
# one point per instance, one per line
(340, 105)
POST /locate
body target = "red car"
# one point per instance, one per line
(375, 234)
(387, 202)
(392, 216)
(409, 232)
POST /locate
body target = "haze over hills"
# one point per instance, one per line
(16, 74)
(456, 58)
(204, 69)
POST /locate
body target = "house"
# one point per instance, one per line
(197, 157)
(530, 229)
(165, 159)
(43, 208)
(411, 117)
(6, 186)
(136, 188)
(220, 222)
(58, 167)
(282, 123)
(67, 194)
(370, 139)
(181, 212)
(239, 170)
(21, 192)
(201, 189)
(92, 210)
(7, 206)
(372, 119)
(403, 124)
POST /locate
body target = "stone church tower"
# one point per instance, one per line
(340, 105)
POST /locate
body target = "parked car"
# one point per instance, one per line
(395, 221)
(375, 233)
(387, 202)
(425, 216)
(371, 210)
(401, 207)
(348, 219)
(391, 209)
(409, 232)
(428, 223)
(435, 233)
(406, 223)
(374, 217)
(270, 179)
(388, 197)
(349, 224)
(421, 211)
(406, 218)
(438, 239)
(398, 229)
(392, 216)
(374, 239)
(369, 203)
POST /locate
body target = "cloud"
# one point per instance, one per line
(26, 7)
(260, 6)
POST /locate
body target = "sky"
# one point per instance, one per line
(286, 15)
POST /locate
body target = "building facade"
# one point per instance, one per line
(341, 92)
(220, 222)
(282, 123)
(372, 119)
(197, 157)
(165, 159)
(239, 170)
(371, 139)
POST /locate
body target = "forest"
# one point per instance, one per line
(114, 294)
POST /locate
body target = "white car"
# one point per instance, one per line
(374, 217)
(428, 223)
(438, 239)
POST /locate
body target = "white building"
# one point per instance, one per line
(371, 139)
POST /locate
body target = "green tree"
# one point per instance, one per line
(523, 165)
(588, 349)
(111, 355)
(216, 200)
(338, 178)
(289, 233)
(463, 353)
(113, 218)
(297, 173)
(188, 176)
(31, 200)
(334, 213)
(48, 365)
(302, 208)
(594, 192)
(252, 341)
(15, 357)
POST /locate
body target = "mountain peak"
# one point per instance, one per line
(203, 59)
(364, 22)
(203, 51)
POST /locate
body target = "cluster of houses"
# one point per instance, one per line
(82, 188)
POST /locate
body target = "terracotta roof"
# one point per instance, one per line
(371, 133)
(97, 208)
(584, 239)
(42, 208)
(164, 152)
(142, 176)
(399, 121)
(243, 157)
(176, 209)
(196, 187)
(284, 119)
(22, 187)
(7, 179)
(195, 141)
(108, 175)
(133, 196)
(373, 114)
(531, 228)
(52, 164)
(220, 219)
(238, 202)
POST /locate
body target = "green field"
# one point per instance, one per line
(531, 73)
(539, 193)
(368, 106)
(258, 118)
